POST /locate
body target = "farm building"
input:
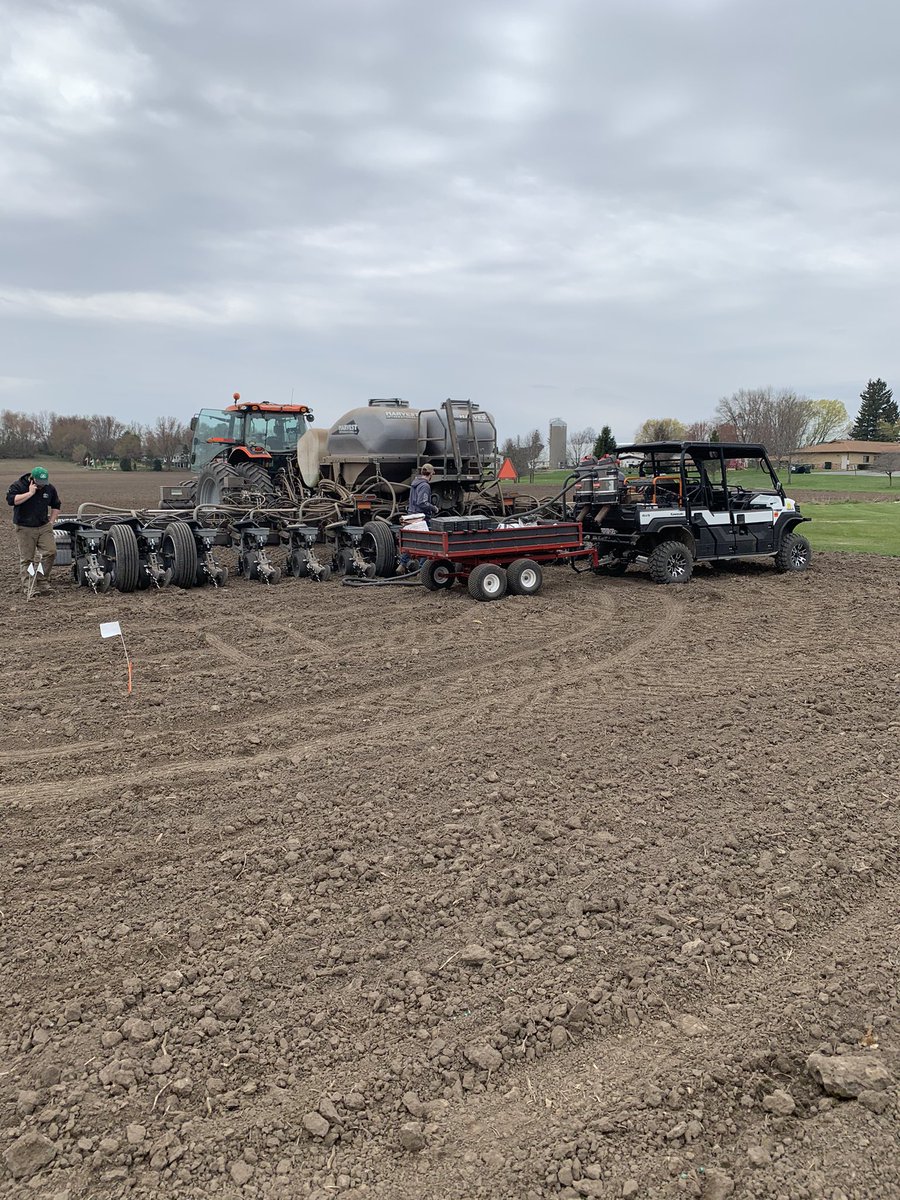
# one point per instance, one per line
(843, 456)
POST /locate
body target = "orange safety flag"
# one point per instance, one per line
(507, 471)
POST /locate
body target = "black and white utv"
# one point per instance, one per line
(671, 504)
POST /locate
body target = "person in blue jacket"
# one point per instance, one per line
(420, 502)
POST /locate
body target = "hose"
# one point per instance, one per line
(396, 581)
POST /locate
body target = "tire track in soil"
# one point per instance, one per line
(230, 652)
(623, 1059)
(96, 785)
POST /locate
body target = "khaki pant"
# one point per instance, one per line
(36, 545)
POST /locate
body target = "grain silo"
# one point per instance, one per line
(556, 455)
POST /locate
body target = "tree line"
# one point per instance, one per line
(81, 438)
(783, 421)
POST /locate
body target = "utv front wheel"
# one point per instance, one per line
(794, 553)
(670, 562)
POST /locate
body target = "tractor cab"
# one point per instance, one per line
(247, 432)
(245, 453)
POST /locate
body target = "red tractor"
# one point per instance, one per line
(247, 452)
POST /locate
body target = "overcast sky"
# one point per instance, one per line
(597, 209)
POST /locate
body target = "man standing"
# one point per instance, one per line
(35, 503)
(420, 500)
(419, 508)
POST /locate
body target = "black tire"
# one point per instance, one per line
(77, 574)
(274, 576)
(120, 549)
(437, 575)
(224, 483)
(524, 577)
(324, 573)
(670, 562)
(255, 479)
(487, 582)
(379, 548)
(296, 566)
(178, 551)
(794, 553)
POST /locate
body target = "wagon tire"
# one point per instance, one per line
(437, 575)
(524, 577)
(487, 582)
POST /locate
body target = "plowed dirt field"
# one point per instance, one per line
(391, 894)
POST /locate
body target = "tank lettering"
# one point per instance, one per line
(351, 427)
(393, 414)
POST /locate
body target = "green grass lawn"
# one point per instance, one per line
(872, 528)
(818, 481)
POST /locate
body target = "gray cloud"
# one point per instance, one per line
(597, 211)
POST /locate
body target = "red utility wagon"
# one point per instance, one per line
(494, 561)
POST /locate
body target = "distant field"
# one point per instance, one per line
(854, 526)
(818, 481)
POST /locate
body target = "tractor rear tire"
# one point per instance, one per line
(524, 577)
(487, 582)
(794, 553)
(255, 479)
(670, 562)
(223, 483)
(179, 553)
(120, 550)
(437, 575)
(378, 547)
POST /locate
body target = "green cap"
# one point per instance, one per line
(39, 473)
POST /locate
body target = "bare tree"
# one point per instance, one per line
(165, 438)
(103, 433)
(581, 442)
(700, 431)
(779, 420)
(534, 448)
(889, 463)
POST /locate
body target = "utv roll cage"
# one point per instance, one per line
(665, 466)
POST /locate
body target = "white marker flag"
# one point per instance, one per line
(38, 571)
(110, 629)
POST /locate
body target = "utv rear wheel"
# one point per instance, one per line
(178, 551)
(670, 562)
(121, 553)
(794, 553)
(487, 582)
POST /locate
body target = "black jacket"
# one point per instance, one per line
(36, 511)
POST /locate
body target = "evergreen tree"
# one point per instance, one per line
(878, 407)
(605, 443)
